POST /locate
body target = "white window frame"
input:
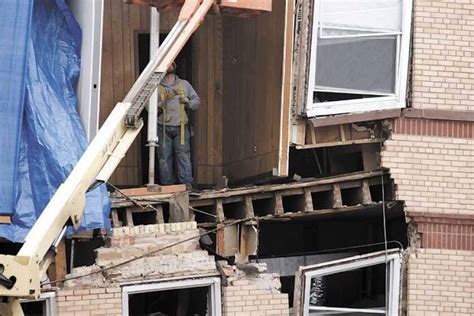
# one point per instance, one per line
(393, 259)
(394, 101)
(89, 14)
(49, 299)
(214, 297)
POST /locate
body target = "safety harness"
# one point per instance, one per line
(182, 110)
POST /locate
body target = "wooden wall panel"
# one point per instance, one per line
(237, 72)
(253, 65)
(122, 22)
(208, 82)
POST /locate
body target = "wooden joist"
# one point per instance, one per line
(276, 200)
(332, 193)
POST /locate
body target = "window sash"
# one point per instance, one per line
(348, 264)
(361, 105)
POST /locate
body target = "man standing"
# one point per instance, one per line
(176, 97)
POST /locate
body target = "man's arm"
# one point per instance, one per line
(194, 100)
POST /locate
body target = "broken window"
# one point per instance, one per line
(185, 297)
(359, 56)
(365, 284)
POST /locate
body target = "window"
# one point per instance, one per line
(362, 285)
(183, 297)
(44, 306)
(359, 56)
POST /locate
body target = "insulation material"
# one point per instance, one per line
(52, 136)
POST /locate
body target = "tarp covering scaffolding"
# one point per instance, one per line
(42, 134)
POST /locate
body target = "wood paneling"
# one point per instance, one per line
(122, 22)
(237, 72)
(208, 82)
(253, 66)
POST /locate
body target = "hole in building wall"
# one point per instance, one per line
(234, 210)
(81, 251)
(322, 200)
(378, 196)
(310, 241)
(193, 301)
(325, 162)
(263, 207)
(144, 218)
(203, 218)
(166, 212)
(293, 203)
(351, 196)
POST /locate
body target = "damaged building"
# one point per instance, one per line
(332, 161)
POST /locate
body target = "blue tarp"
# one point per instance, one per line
(52, 138)
(15, 17)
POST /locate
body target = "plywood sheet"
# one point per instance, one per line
(253, 67)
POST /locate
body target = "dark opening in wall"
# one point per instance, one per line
(263, 207)
(37, 308)
(192, 301)
(234, 210)
(293, 203)
(284, 246)
(201, 217)
(319, 97)
(322, 200)
(351, 196)
(378, 195)
(144, 218)
(80, 252)
(325, 162)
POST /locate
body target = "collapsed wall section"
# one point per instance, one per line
(145, 252)
(167, 261)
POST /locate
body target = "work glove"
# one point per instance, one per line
(184, 100)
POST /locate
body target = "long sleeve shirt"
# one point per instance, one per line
(170, 102)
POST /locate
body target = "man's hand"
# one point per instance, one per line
(184, 100)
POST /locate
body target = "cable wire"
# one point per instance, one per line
(104, 269)
(384, 216)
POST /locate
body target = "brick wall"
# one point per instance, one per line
(154, 258)
(432, 174)
(245, 297)
(440, 282)
(443, 58)
(84, 302)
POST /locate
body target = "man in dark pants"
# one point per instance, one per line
(176, 98)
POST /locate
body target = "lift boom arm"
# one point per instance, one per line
(20, 275)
